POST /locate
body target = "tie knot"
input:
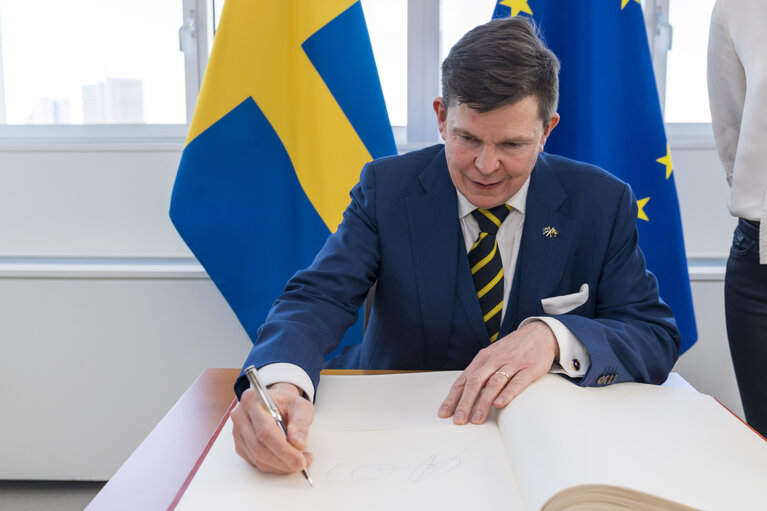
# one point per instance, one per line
(489, 220)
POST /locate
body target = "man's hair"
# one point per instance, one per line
(500, 63)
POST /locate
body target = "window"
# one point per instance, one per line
(91, 62)
(120, 63)
(686, 94)
(456, 17)
(387, 26)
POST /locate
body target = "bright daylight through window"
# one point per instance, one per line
(91, 62)
(104, 61)
(686, 89)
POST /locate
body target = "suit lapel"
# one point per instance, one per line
(434, 237)
(543, 253)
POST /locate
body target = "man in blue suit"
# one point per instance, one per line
(488, 255)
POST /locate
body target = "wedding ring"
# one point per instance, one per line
(508, 377)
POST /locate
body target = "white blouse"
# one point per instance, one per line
(737, 88)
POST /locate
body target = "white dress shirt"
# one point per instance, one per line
(508, 237)
(737, 89)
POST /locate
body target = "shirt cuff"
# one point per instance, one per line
(283, 372)
(574, 359)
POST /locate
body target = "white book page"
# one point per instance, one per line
(385, 401)
(673, 443)
(378, 445)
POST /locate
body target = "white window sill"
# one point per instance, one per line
(172, 268)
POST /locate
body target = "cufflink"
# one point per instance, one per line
(576, 364)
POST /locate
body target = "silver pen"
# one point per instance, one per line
(266, 400)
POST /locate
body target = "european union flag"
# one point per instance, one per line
(289, 111)
(611, 117)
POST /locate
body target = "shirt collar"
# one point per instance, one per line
(517, 201)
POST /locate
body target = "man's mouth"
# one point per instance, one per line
(486, 186)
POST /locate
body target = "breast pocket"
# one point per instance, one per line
(565, 303)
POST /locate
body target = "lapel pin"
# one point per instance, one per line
(550, 232)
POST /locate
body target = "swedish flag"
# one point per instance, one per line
(289, 111)
(611, 117)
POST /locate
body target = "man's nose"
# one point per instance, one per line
(487, 160)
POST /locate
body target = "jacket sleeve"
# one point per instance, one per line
(321, 302)
(632, 335)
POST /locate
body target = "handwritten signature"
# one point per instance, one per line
(430, 468)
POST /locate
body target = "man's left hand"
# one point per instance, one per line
(500, 372)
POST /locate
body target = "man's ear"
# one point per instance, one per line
(547, 130)
(441, 110)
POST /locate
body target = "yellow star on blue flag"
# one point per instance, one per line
(640, 205)
(666, 161)
(625, 2)
(516, 6)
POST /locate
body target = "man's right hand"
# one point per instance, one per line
(260, 441)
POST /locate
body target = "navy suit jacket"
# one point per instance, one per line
(402, 232)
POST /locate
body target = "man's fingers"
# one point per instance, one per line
(451, 401)
(474, 383)
(260, 441)
(240, 442)
(246, 449)
(273, 449)
(516, 385)
(495, 384)
(299, 417)
(248, 446)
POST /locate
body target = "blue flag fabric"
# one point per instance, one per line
(611, 117)
(289, 111)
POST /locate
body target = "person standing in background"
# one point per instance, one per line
(737, 89)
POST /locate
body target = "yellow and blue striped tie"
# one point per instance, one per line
(487, 268)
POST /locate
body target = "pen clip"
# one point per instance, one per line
(263, 394)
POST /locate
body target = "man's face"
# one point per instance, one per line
(491, 154)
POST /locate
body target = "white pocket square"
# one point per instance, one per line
(565, 303)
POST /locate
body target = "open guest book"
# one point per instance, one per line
(378, 444)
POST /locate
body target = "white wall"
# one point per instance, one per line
(94, 350)
(86, 199)
(707, 364)
(90, 363)
(702, 190)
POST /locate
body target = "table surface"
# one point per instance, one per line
(158, 469)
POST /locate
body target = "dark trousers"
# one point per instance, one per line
(745, 304)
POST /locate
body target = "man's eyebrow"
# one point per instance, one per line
(462, 131)
(520, 140)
